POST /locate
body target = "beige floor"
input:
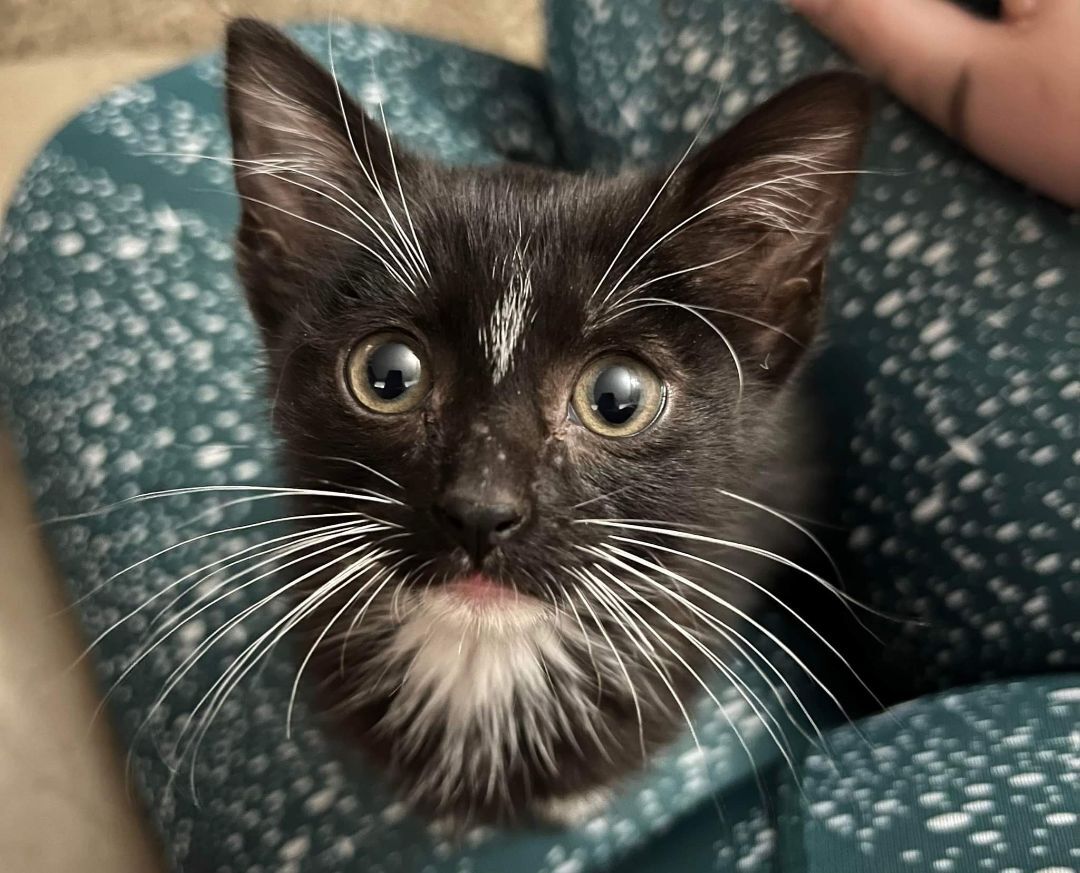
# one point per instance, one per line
(63, 804)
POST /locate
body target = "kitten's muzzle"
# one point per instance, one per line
(479, 521)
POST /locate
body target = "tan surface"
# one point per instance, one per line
(63, 804)
(31, 27)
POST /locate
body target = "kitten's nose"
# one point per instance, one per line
(480, 522)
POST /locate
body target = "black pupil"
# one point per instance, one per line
(616, 394)
(392, 369)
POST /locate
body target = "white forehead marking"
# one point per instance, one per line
(502, 336)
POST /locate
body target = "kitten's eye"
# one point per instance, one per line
(618, 396)
(386, 373)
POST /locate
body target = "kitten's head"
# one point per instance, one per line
(520, 351)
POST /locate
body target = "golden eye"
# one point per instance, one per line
(386, 372)
(618, 396)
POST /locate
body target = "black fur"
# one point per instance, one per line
(315, 294)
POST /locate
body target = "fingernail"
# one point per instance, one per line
(1019, 8)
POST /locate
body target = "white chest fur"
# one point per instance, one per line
(482, 681)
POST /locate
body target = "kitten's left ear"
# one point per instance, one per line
(770, 193)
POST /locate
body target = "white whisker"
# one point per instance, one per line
(598, 589)
(817, 543)
(724, 669)
(644, 215)
(621, 664)
(171, 585)
(656, 197)
(726, 199)
(319, 639)
(650, 302)
(401, 192)
(713, 263)
(730, 544)
(171, 628)
(250, 657)
(393, 272)
(202, 489)
(741, 613)
(178, 674)
(734, 638)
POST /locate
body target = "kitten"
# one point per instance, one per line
(553, 395)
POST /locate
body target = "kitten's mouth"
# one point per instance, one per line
(482, 590)
(476, 598)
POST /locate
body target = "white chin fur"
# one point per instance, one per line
(468, 660)
(495, 617)
(480, 670)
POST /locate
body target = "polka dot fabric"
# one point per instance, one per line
(980, 780)
(127, 366)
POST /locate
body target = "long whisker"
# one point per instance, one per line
(644, 215)
(222, 688)
(213, 533)
(626, 294)
(401, 267)
(652, 302)
(734, 638)
(371, 176)
(604, 595)
(776, 513)
(182, 579)
(388, 573)
(789, 177)
(275, 555)
(202, 489)
(274, 168)
(364, 246)
(587, 637)
(671, 175)
(172, 628)
(730, 674)
(810, 535)
(621, 664)
(362, 466)
(723, 338)
(322, 635)
(754, 623)
(603, 496)
(401, 192)
(730, 544)
(243, 615)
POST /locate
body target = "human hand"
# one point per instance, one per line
(1009, 89)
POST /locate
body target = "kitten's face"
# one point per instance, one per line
(502, 357)
(510, 392)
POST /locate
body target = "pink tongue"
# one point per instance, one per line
(477, 586)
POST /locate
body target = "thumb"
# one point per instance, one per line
(921, 49)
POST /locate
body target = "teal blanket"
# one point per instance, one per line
(950, 383)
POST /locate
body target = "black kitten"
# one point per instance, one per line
(553, 404)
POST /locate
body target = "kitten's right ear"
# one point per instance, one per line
(299, 144)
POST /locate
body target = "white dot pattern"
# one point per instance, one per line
(126, 366)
